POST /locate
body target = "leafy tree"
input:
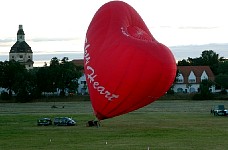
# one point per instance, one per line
(15, 77)
(1, 73)
(222, 80)
(223, 67)
(222, 77)
(54, 62)
(67, 74)
(205, 87)
(11, 72)
(210, 58)
(190, 62)
(195, 61)
(205, 92)
(183, 62)
(26, 87)
(60, 74)
(45, 80)
(28, 84)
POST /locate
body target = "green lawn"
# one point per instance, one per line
(164, 124)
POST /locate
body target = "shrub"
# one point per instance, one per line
(223, 91)
(5, 96)
(23, 96)
(170, 92)
(201, 96)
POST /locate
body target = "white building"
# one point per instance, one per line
(21, 51)
(190, 77)
(82, 86)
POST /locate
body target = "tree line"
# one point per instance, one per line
(27, 85)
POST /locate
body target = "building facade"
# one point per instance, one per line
(21, 51)
(190, 77)
(82, 85)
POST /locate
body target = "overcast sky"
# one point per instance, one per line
(58, 27)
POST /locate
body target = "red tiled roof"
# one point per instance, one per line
(78, 62)
(197, 70)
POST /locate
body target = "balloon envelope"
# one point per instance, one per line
(125, 67)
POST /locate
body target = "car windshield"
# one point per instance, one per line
(220, 107)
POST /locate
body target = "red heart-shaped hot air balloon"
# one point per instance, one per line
(125, 67)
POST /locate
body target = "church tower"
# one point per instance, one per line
(21, 51)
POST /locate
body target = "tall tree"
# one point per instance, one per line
(67, 74)
(210, 58)
(223, 67)
(12, 71)
(60, 74)
(183, 62)
(222, 80)
(222, 77)
(45, 80)
(195, 61)
(205, 92)
(54, 62)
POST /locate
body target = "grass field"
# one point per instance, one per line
(164, 124)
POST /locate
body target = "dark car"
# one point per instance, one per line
(64, 121)
(219, 110)
(44, 122)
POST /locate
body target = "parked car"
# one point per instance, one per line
(44, 122)
(219, 110)
(64, 121)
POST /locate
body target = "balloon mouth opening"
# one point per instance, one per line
(100, 116)
(138, 33)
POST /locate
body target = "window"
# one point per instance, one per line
(21, 56)
(192, 90)
(179, 80)
(204, 76)
(12, 57)
(83, 82)
(180, 90)
(192, 77)
(28, 56)
(192, 81)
